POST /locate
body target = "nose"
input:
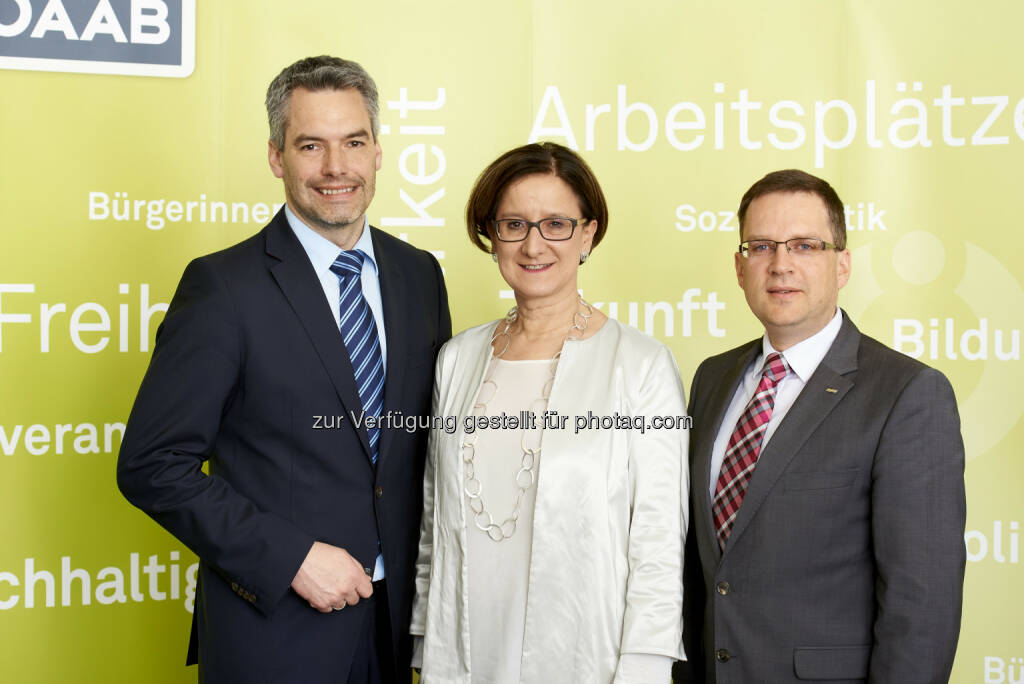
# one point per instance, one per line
(781, 260)
(534, 242)
(333, 162)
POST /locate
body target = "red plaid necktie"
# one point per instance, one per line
(744, 447)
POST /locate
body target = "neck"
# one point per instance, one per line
(540, 319)
(782, 341)
(343, 236)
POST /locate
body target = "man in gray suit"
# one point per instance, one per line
(827, 476)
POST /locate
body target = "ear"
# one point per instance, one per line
(588, 231)
(376, 143)
(274, 157)
(843, 268)
(738, 262)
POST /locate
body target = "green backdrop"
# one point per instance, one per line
(111, 183)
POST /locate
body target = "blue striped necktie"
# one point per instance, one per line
(359, 332)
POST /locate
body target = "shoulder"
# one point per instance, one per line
(874, 354)
(629, 340)
(641, 353)
(469, 345)
(892, 371)
(726, 360)
(641, 371)
(714, 368)
(390, 247)
(471, 340)
(245, 254)
(214, 271)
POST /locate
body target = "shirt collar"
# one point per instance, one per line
(322, 252)
(804, 356)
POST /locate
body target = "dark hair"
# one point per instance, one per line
(537, 158)
(794, 180)
(318, 73)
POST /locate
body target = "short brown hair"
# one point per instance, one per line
(795, 180)
(537, 158)
(316, 74)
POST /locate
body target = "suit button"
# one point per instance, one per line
(723, 588)
(722, 655)
(379, 491)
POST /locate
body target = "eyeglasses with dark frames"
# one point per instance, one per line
(554, 229)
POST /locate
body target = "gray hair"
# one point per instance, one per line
(318, 73)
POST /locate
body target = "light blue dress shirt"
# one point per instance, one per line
(322, 253)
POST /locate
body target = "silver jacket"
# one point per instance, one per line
(606, 575)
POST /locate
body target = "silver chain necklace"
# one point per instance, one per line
(526, 476)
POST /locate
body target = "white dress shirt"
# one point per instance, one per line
(322, 253)
(803, 359)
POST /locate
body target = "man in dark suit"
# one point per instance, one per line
(271, 363)
(826, 476)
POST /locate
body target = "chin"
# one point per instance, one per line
(531, 293)
(537, 294)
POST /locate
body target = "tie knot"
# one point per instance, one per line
(775, 367)
(348, 263)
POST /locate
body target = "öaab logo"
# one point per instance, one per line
(129, 37)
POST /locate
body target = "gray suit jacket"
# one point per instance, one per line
(846, 560)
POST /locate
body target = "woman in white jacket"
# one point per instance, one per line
(554, 515)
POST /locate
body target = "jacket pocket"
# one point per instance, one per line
(829, 479)
(831, 662)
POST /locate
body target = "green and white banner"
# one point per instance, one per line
(134, 139)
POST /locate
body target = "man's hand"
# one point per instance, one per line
(330, 579)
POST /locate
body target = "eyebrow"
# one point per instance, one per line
(751, 238)
(546, 215)
(309, 137)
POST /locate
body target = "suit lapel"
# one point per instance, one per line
(819, 397)
(291, 268)
(720, 396)
(394, 297)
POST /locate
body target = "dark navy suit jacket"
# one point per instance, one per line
(246, 360)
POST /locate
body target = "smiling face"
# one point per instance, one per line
(793, 296)
(329, 162)
(541, 271)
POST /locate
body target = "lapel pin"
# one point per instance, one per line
(831, 390)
